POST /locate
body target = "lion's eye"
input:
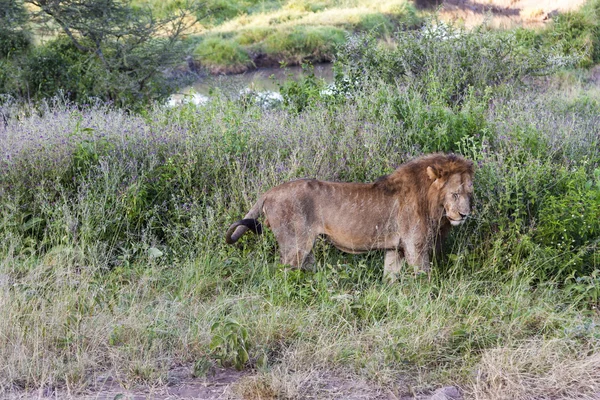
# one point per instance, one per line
(455, 196)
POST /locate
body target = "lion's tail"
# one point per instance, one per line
(250, 222)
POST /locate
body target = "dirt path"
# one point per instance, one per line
(229, 384)
(181, 386)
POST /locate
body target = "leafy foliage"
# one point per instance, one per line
(230, 343)
(14, 39)
(442, 63)
(107, 50)
(577, 32)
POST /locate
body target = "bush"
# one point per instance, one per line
(13, 42)
(577, 32)
(569, 220)
(303, 92)
(442, 63)
(59, 67)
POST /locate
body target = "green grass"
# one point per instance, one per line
(295, 45)
(220, 55)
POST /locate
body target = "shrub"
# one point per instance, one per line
(13, 42)
(569, 220)
(14, 38)
(441, 63)
(577, 32)
(303, 92)
(58, 66)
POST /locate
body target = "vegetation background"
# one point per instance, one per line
(113, 208)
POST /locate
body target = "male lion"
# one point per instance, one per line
(405, 213)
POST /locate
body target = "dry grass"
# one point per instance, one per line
(538, 369)
(505, 14)
(287, 17)
(283, 382)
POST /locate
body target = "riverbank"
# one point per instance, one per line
(296, 32)
(235, 40)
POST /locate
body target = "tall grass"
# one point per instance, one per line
(113, 263)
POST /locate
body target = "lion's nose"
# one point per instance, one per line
(463, 216)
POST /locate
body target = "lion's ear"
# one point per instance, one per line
(433, 173)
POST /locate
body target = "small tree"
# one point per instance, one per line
(132, 46)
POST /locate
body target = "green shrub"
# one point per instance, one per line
(441, 63)
(303, 92)
(6, 77)
(14, 42)
(576, 32)
(58, 66)
(14, 37)
(570, 219)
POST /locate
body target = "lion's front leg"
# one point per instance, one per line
(392, 265)
(417, 256)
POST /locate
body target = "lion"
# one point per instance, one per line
(406, 213)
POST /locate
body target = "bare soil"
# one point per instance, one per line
(181, 385)
(220, 385)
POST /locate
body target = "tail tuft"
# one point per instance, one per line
(235, 232)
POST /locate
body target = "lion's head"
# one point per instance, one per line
(452, 187)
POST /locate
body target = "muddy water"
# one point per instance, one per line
(264, 80)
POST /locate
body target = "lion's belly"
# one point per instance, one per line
(349, 242)
(375, 227)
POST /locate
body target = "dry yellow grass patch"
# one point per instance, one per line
(349, 14)
(505, 13)
(538, 370)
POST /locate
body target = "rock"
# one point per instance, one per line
(446, 393)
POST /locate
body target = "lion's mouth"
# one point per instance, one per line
(456, 222)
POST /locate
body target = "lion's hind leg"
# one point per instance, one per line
(295, 246)
(392, 265)
(297, 252)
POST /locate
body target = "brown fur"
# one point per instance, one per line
(405, 213)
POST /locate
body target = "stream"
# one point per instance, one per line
(264, 81)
